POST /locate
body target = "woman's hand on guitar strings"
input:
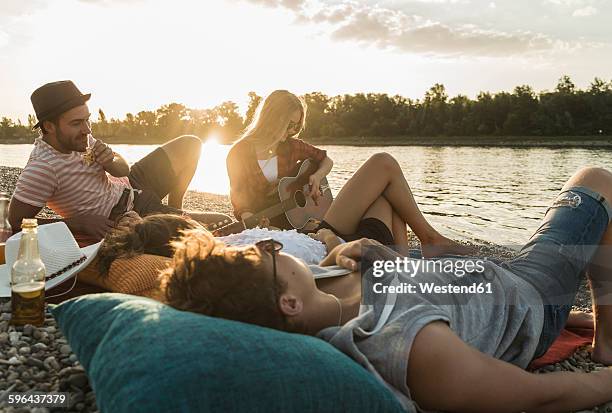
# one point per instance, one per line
(314, 184)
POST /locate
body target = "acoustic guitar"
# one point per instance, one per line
(294, 201)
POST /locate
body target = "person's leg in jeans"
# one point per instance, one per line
(184, 155)
(600, 270)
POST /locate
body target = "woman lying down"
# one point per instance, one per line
(154, 235)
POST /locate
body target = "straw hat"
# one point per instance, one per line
(59, 252)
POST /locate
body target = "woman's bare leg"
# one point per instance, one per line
(400, 234)
(600, 279)
(382, 175)
(600, 269)
(381, 209)
(579, 319)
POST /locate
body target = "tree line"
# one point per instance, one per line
(565, 111)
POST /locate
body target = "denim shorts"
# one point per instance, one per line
(557, 255)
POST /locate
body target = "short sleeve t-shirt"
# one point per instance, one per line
(66, 184)
(505, 324)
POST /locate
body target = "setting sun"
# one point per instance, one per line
(211, 175)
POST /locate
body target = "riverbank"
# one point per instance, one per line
(40, 359)
(590, 142)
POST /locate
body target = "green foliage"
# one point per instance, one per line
(566, 111)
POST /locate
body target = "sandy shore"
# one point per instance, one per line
(40, 359)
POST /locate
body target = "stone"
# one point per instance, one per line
(14, 337)
(39, 346)
(4, 338)
(43, 387)
(28, 329)
(51, 363)
(41, 375)
(73, 358)
(4, 325)
(65, 349)
(24, 350)
(31, 361)
(5, 317)
(67, 371)
(78, 380)
(14, 361)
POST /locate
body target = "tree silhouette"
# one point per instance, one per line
(564, 111)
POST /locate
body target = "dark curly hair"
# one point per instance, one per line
(151, 236)
(207, 277)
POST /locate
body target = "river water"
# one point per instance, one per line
(492, 194)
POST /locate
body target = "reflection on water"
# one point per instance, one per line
(493, 194)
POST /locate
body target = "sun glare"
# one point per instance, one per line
(211, 175)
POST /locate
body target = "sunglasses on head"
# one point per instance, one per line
(272, 247)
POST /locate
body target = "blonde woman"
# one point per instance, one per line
(269, 150)
(376, 202)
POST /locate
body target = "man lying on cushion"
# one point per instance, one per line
(434, 353)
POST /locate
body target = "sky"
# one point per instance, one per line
(135, 55)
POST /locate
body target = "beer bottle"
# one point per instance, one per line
(5, 226)
(28, 279)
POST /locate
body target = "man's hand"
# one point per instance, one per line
(95, 225)
(327, 237)
(103, 153)
(348, 255)
(314, 184)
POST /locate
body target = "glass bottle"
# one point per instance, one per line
(5, 227)
(28, 279)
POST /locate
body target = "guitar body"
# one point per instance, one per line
(295, 202)
(297, 189)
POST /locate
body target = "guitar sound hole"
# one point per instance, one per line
(300, 199)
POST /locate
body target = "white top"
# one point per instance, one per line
(299, 245)
(269, 167)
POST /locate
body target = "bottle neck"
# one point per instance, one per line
(28, 245)
(4, 204)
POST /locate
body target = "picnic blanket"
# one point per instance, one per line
(564, 346)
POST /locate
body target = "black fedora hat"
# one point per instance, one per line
(55, 98)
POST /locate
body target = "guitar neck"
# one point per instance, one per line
(270, 212)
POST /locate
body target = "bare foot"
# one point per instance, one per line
(580, 319)
(444, 246)
(602, 353)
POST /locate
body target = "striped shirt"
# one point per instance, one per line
(66, 184)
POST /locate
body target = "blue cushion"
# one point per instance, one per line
(144, 356)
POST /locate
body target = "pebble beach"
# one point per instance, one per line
(40, 359)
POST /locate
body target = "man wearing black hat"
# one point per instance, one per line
(85, 181)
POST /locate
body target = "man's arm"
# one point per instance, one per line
(118, 167)
(112, 162)
(444, 373)
(19, 210)
(95, 225)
